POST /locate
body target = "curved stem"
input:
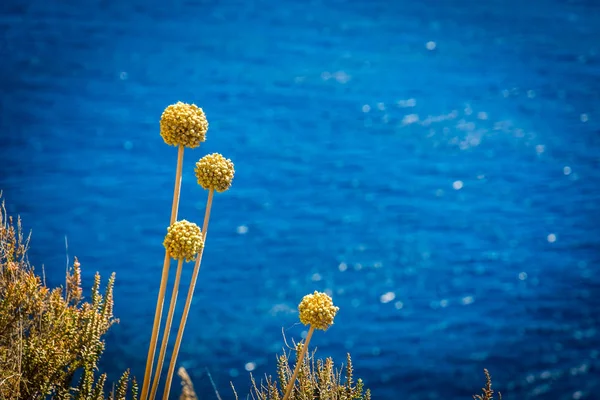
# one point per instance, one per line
(165, 339)
(288, 390)
(188, 301)
(163, 281)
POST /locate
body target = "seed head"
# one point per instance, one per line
(183, 124)
(183, 240)
(317, 309)
(215, 172)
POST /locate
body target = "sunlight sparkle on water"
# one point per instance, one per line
(540, 148)
(387, 297)
(407, 103)
(467, 300)
(410, 119)
(457, 185)
(522, 276)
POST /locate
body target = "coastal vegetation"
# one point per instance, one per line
(51, 339)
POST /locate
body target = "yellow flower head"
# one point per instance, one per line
(183, 240)
(317, 309)
(183, 124)
(215, 172)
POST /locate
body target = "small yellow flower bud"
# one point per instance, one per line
(317, 309)
(215, 172)
(183, 124)
(183, 240)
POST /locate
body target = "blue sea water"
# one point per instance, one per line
(433, 165)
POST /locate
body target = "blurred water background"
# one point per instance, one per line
(434, 165)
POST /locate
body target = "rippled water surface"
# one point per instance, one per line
(433, 165)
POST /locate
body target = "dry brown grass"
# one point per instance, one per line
(317, 380)
(487, 392)
(187, 387)
(50, 339)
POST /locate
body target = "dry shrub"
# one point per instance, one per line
(317, 380)
(50, 339)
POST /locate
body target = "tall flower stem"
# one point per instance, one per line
(188, 301)
(211, 193)
(165, 339)
(290, 386)
(163, 281)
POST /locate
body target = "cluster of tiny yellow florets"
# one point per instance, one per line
(183, 240)
(214, 171)
(183, 124)
(317, 309)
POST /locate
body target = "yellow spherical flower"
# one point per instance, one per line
(183, 240)
(317, 309)
(183, 124)
(215, 172)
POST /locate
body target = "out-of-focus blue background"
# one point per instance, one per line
(433, 165)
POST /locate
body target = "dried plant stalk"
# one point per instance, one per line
(290, 385)
(187, 387)
(188, 301)
(163, 281)
(167, 330)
